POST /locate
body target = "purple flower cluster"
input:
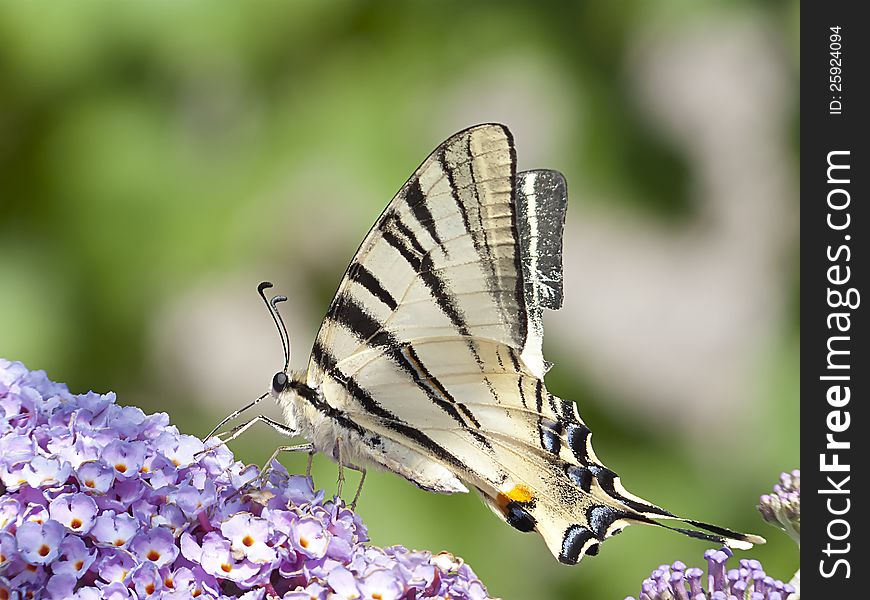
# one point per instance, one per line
(677, 582)
(782, 508)
(103, 501)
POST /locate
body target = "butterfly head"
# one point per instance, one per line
(280, 383)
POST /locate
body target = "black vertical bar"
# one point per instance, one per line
(834, 370)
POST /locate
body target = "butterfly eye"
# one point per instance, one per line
(279, 382)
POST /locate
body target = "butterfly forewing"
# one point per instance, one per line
(441, 259)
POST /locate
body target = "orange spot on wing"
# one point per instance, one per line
(518, 493)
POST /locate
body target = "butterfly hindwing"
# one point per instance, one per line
(526, 451)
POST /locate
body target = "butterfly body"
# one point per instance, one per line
(429, 362)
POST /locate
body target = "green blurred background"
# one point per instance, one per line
(158, 160)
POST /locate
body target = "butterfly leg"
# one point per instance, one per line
(358, 490)
(308, 467)
(233, 415)
(228, 436)
(341, 478)
(340, 467)
(267, 468)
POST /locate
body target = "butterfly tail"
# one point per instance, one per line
(641, 511)
(709, 532)
(569, 542)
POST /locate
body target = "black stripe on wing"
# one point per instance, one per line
(515, 361)
(345, 310)
(454, 193)
(519, 292)
(358, 273)
(416, 201)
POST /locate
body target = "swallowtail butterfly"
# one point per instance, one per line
(429, 360)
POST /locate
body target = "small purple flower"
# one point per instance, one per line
(39, 543)
(217, 559)
(16, 450)
(179, 449)
(127, 458)
(10, 509)
(309, 538)
(75, 557)
(169, 516)
(112, 529)
(76, 512)
(36, 512)
(146, 580)
(115, 591)
(248, 537)
(313, 591)
(191, 499)
(181, 580)
(114, 565)
(782, 508)
(343, 583)
(61, 586)
(381, 583)
(46, 472)
(8, 549)
(95, 477)
(156, 545)
(160, 472)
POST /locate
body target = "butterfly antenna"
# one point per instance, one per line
(276, 316)
(274, 302)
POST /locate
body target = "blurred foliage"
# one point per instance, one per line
(146, 145)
